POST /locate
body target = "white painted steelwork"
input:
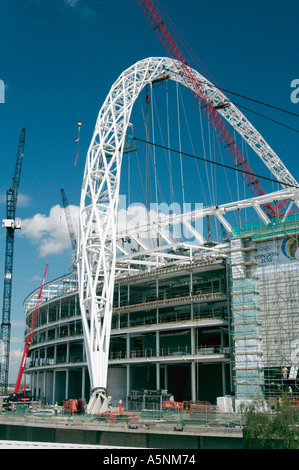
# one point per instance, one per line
(97, 244)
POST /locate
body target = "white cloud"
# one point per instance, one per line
(71, 3)
(18, 323)
(50, 232)
(88, 11)
(23, 200)
(36, 278)
(15, 358)
(17, 341)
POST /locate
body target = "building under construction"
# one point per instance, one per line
(161, 308)
(264, 306)
(208, 324)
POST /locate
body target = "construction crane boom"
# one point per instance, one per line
(69, 219)
(10, 225)
(29, 336)
(174, 52)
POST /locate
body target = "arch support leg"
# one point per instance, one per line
(98, 402)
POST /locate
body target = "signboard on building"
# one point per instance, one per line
(277, 252)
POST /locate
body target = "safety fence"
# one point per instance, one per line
(209, 416)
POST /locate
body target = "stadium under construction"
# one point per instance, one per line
(209, 323)
(161, 313)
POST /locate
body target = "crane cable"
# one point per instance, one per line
(196, 60)
(81, 77)
(254, 101)
(172, 194)
(215, 163)
(78, 141)
(191, 141)
(180, 144)
(154, 153)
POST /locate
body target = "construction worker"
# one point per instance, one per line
(120, 402)
(285, 373)
(56, 408)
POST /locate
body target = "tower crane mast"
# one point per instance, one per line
(69, 219)
(156, 21)
(10, 225)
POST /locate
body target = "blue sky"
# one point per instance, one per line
(58, 60)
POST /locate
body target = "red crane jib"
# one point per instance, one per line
(208, 109)
(29, 337)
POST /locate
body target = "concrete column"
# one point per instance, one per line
(45, 382)
(128, 347)
(223, 379)
(193, 381)
(32, 384)
(67, 353)
(38, 384)
(192, 340)
(158, 386)
(54, 386)
(128, 379)
(83, 383)
(67, 383)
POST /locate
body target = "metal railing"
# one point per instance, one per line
(169, 352)
(167, 318)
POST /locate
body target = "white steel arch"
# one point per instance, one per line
(96, 254)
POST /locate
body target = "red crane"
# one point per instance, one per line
(174, 52)
(29, 336)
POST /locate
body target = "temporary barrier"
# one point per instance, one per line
(172, 405)
(74, 405)
(193, 406)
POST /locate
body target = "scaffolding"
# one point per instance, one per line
(245, 323)
(264, 299)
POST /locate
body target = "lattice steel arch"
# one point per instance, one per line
(96, 254)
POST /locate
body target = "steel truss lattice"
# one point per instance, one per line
(97, 243)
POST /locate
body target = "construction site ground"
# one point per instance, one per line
(145, 429)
